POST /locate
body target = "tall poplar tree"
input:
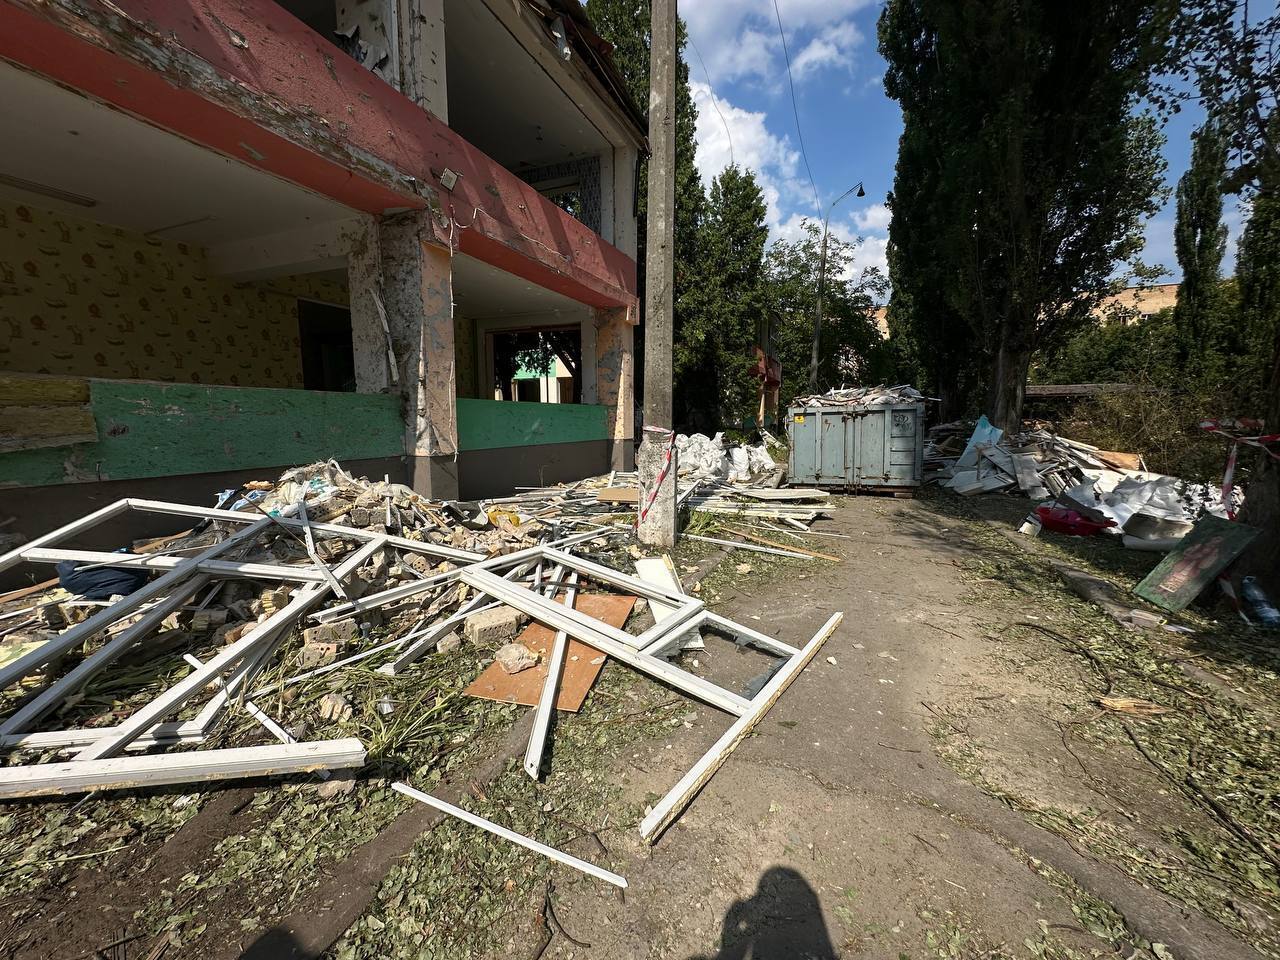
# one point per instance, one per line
(625, 24)
(1200, 240)
(1035, 170)
(713, 358)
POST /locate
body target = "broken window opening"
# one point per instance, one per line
(537, 365)
(328, 356)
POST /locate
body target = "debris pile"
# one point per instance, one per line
(191, 671)
(1038, 462)
(703, 457)
(1083, 487)
(877, 396)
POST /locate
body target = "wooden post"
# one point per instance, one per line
(657, 519)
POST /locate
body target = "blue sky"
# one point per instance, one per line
(850, 127)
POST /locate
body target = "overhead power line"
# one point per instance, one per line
(714, 100)
(795, 110)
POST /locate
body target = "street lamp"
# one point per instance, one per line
(822, 278)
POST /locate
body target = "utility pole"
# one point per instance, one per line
(656, 461)
(822, 279)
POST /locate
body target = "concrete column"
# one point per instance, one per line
(422, 57)
(364, 288)
(397, 273)
(622, 191)
(615, 380)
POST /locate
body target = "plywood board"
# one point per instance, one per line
(1199, 557)
(618, 495)
(582, 663)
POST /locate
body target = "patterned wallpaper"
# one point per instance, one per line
(84, 299)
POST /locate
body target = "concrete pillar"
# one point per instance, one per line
(422, 58)
(621, 189)
(364, 285)
(397, 274)
(615, 380)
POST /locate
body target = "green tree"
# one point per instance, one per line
(1199, 239)
(1041, 173)
(852, 350)
(625, 25)
(931, 341)
(713, 356)
(1258, 320)
(1233, 54)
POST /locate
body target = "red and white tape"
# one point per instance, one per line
(1225, 428)
(662, 474)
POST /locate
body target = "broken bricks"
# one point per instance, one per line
(465, 560)
(488, 627)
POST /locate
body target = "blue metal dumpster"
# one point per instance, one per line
(857, 447)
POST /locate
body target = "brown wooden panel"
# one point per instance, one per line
(27, 428)
(31, 389)
(582, 664)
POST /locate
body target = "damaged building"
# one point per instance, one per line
(243, 234)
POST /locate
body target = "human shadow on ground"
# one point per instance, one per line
(782, 921)
(276, 944)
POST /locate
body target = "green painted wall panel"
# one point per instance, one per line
(490, 424)
(156, 430)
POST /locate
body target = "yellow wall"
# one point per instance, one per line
(84, 299)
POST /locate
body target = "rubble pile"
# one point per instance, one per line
(711, 458)
(1104, 488)
(862, 396)
(212, 654)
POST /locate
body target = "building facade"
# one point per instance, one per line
(241, 235)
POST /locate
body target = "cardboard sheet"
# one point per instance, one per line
(582, 664)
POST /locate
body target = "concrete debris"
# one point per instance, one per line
(489, 627)
(259, 609)
(514, 657)
(450, 641)
(862, 396)
(334, 706)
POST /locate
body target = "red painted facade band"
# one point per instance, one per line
(248, 80)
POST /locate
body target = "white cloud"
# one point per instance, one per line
(871, 251)
(748, 142)
(875, 217)
(831, 48)
(739, 38)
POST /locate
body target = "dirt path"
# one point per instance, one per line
(837, 831)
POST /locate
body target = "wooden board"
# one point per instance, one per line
(33, 389)
(1199, 557)
(618, 495)
(1121, 461)
(582, 664)
(40, 411)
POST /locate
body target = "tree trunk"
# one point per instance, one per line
(1008, 386)
(1262, 500)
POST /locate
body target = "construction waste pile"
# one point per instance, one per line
(1080, 488)
(209, 654)
(877, 396)
(711, 458)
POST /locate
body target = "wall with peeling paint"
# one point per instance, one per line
(84, 299)
(158, 430)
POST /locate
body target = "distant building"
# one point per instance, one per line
(1142, 301)
(879, 316)
(1133, 303)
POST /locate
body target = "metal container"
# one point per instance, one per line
(851, 446)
